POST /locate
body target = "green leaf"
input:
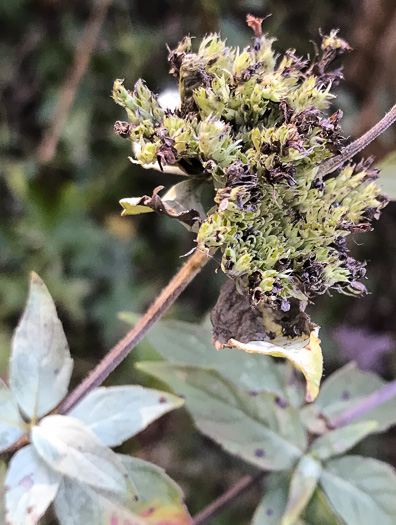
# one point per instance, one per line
(271, 508)
(72, 449)
(303, 484)
(30, 486)
(160, 499)
(3, 471)
(41, 365)
(387, 176)
(12, 426)
(77, 503)
(255, 427)
(345, 388)
(117, 413)
(191, 344)
(318, 511)
(305, 353)
(361, 490)
(342, 439)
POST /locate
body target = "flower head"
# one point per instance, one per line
(256, 127)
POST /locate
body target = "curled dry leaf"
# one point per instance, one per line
(180, 202)
(290, 334)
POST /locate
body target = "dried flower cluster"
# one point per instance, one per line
(254, 125)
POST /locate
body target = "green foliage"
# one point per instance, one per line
(68, 458)
(267, 430)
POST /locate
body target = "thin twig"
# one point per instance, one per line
(365, 405)
(118, 353)
(225, 499)
(331, 164)
(19, 443)
(85, 47)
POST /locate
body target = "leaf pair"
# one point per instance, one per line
(250, 406)
(68, 460)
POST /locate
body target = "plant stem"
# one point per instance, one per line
(225, 499)
(365, 405)
(331, 164)
(84, 50)
(118, 353)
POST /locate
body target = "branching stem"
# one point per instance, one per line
(118, 353)
(369, 402)
(227, 498)
(331, 164)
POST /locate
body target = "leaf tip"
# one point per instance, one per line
(35, 279)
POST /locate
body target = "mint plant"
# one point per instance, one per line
(251, 127)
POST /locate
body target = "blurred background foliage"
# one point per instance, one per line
(59, 212)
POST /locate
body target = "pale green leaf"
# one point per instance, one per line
(41, 365)
(79, 504)
(319, 512)
(255, 427)
(12, 426)
(31, 486)
(303, 484)
(304, 352)
(341, 440)
(72, 449)
(346, 388)
(272, 506)
(160, 500)
(3, 472)
(387, 177)
(117, 413)
(361, 490)
(191, 344)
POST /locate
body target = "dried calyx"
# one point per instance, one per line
(255, 126)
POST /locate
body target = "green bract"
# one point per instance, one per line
(255, 126)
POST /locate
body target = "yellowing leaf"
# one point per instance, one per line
(181, 202)
(304, 352)
(160, 500)
(156, 513)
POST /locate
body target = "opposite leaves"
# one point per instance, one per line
(68, 458)
(257, 427)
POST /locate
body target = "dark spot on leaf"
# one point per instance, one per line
(162, 399)
(182, 396)
(253, 393)
(346, 395)
(281, 402)
(259, 452)
(136, 498)
(270, 512)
